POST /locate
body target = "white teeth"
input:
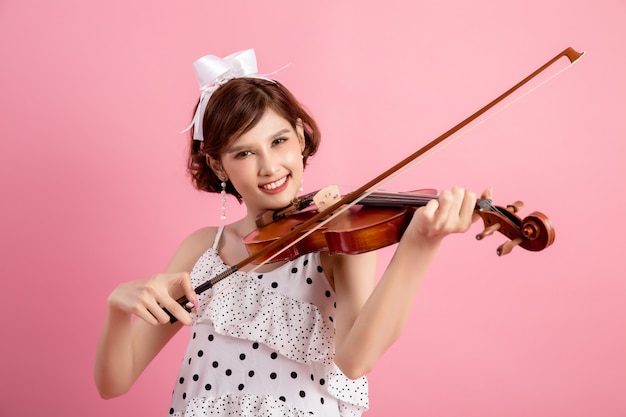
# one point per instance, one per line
(276, 184)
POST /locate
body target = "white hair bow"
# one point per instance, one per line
(212, 72)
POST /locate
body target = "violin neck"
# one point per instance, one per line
(378, 199)
(383, 199)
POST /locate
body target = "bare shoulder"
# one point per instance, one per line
(191, 248)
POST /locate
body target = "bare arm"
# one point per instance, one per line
(371, 318)
(126, 346)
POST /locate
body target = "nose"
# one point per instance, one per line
(268, 165)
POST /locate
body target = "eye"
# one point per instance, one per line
(280, 140)
(243, 154)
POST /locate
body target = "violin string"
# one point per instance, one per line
(386, 180)
(397, 199)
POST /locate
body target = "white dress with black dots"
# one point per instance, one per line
(264, 346)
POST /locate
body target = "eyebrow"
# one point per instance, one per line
(236, 149)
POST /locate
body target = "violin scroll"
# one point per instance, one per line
(533, 232)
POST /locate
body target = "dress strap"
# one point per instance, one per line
(218, 236)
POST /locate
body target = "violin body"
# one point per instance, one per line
(379, 221)
(357, 230)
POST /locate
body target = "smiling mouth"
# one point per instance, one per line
(275, 184)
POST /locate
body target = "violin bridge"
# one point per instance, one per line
(326, 197)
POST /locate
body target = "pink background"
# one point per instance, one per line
(94, 190)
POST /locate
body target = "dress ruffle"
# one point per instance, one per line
(293, 328)
(241, 405)
(296, 329)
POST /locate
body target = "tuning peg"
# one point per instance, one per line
(488, 231)
(508, 246)
(515, 207)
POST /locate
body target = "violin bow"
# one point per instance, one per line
(350, 199)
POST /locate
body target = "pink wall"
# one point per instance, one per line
(94, 190)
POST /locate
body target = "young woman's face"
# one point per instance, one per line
(265, 164)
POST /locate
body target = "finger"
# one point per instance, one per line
(446, 203)
(428, 211)
(158, 298)
(455, 220)
(156, 308)
(461, 208)
(456, 206)
(487, 193)
(164, 288)
(188, 290)
(175, 310)
(144, 314)
(468, 206)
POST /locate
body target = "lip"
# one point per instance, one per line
(278, 189)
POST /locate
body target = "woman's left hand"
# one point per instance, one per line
(452, 212)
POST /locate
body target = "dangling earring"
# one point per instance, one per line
(302, 179)
(223, 194)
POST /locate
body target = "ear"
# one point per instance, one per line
(300, 133)
(216, 166)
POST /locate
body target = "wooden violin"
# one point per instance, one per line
(534, 232)
(380, 220)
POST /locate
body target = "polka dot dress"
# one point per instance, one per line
(264, 346)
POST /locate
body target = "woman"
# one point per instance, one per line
(291, 338)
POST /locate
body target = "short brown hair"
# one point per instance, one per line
(235, 108)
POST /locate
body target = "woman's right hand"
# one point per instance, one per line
(146, 298)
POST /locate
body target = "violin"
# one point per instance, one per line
(377, 221)
(291, 231)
